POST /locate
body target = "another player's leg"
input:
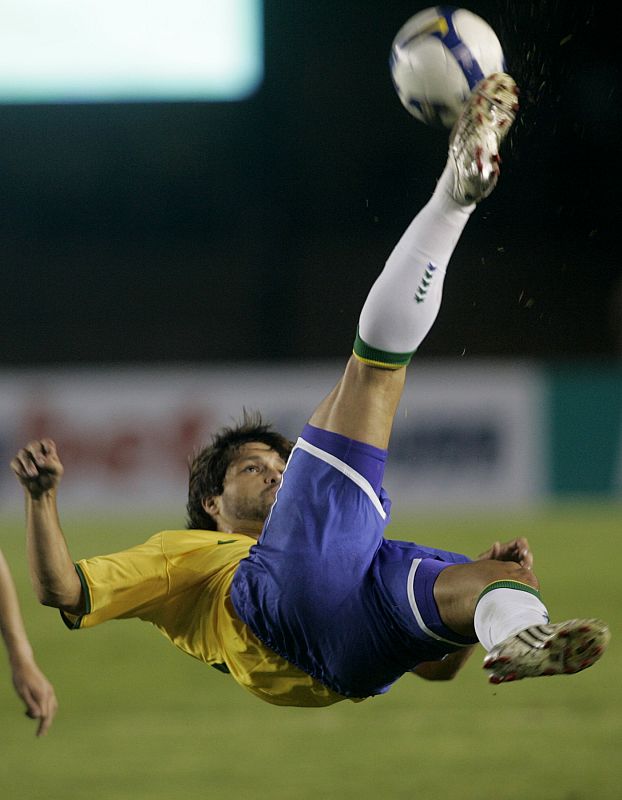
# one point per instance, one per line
(404, 301)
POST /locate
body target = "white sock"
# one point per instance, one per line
(404, 301)
(503, 610)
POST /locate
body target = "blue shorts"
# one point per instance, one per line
(324, 589)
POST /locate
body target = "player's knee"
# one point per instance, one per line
(510, 571)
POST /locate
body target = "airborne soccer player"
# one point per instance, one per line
(284, 578)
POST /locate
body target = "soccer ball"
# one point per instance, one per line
(437, 58)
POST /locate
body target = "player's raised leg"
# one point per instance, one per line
(404, 301)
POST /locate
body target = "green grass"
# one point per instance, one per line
(140, 721)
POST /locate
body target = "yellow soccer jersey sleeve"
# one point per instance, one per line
(180, 582)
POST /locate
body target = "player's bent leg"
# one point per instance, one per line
(363, 404)
(500, 602)
(459, 587)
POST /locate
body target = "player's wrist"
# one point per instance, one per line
(20, 653)
(41, 496)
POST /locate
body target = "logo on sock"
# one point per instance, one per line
(422, 289)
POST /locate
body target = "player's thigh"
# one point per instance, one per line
(459, 586)
(363, 403)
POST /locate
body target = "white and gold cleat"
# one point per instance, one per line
(477, 135)
(560, 649)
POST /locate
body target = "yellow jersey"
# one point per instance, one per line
(180, 581)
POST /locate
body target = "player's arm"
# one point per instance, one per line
(29, 682)
(446, 669)
(54, 578)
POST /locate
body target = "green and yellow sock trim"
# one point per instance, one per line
(380, 358)
(521, 587)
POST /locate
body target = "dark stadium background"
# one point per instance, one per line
(253, 230)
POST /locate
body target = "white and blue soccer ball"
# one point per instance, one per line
(437, 58)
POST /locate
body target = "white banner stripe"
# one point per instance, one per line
(344, 468)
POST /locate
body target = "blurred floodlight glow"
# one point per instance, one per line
(55, 51)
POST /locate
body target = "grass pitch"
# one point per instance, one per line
(138, 720)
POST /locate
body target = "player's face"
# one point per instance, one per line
(249, 489)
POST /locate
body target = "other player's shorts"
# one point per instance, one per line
(324, 589)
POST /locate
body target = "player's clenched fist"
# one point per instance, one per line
(38, 467)
(517, 550)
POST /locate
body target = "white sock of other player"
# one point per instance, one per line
(405, 299)
(505, 608)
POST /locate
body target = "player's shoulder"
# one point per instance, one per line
(199, 539)
(204, 535)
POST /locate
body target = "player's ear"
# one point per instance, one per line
(211, 505)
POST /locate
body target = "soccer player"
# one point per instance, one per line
(29, 682)
(284, 578)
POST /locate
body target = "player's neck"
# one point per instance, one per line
(250, 528)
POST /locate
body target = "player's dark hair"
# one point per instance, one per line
(208, 466)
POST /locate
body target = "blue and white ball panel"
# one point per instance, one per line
(314, 588)
(438, 57)
(465, 58)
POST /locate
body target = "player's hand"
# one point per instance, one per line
(447, 668)
(38, 467)
(37, 692)
(517, 550)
